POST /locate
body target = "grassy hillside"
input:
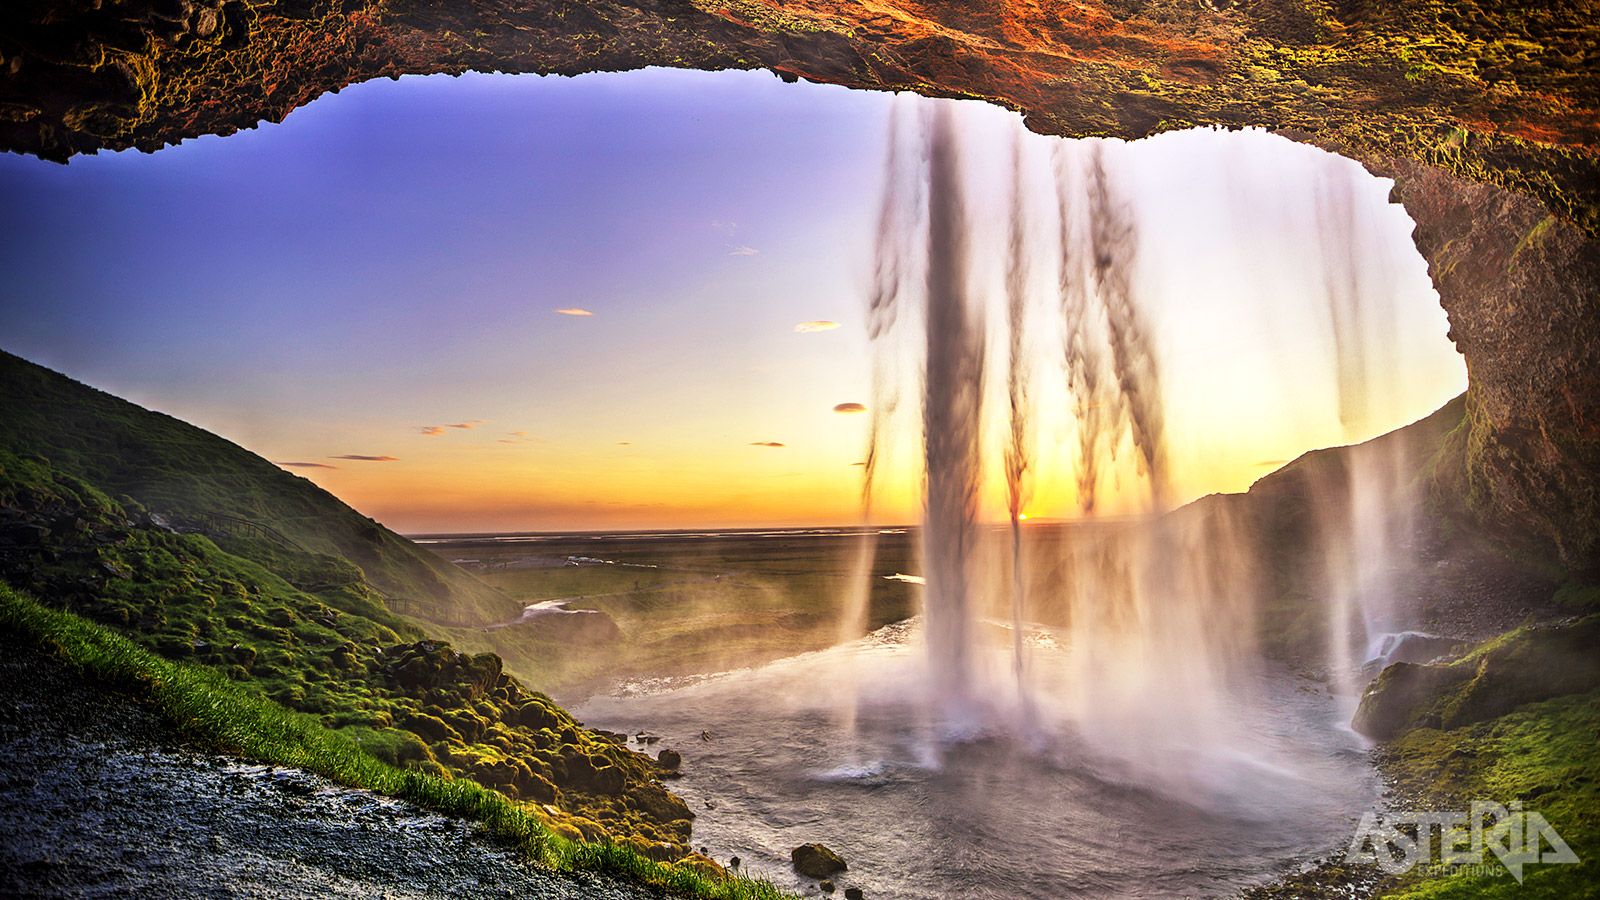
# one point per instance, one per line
(90, 490)
(190, 476)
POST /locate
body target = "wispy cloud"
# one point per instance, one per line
(520, 437)
(1271, 462)
(858, 463)
(767, 444)
(469, 425)
(624, 443)
(431, 429)
(848, 408)
(574, 311)
(728, 230)
(367, 458)
(305, 465)
(815, 325)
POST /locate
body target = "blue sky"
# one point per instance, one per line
(390, 260)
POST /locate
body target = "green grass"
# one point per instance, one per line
(206, 708)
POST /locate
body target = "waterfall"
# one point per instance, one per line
(1043, 246)
(952, 411)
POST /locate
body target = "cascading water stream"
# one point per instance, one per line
(1017, 461)
(1066, 681)
(952, 416)
(1119, 599)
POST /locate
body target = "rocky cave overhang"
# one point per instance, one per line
(1485, 112)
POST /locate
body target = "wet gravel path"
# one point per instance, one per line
(98, 800)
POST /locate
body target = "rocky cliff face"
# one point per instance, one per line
(1522, 289)
(1486, 111)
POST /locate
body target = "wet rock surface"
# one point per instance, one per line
(97, 799)
(1522, 289)
(816, 861)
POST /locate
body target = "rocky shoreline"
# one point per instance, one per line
(98, 798)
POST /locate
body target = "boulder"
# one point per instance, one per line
(606, 780)
(816, 861)
(1524, 666)
(701, 864)
(654, 801)
(431, 728)
(433, 665)
(669, 759)
(853, 894)
(1397, 698)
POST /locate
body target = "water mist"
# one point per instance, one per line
(1157, 613)
(1082, 708)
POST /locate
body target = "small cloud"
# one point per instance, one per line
(767, 444)
(305, 465)
(1272, 462)
(504, 441)
(815, 325)
(743, 251)
(368, 458)
(624, 443)
(574, 311)
(858, 464)
(431, 429)
(521, 434)
(471, 424)
(849, 408)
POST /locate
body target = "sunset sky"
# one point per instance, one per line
(620, 301)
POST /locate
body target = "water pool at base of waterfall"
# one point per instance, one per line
(1005, 794)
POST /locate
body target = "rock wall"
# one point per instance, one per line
(1522, 290)
(1486, 111)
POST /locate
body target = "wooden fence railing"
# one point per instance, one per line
(442, 613)
(222, 523)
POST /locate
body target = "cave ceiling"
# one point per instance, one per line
(1497, 92)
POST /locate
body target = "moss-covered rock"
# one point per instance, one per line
(816, 861)
(703, 866)
(1525, 666)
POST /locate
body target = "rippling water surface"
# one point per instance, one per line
(993, 799)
